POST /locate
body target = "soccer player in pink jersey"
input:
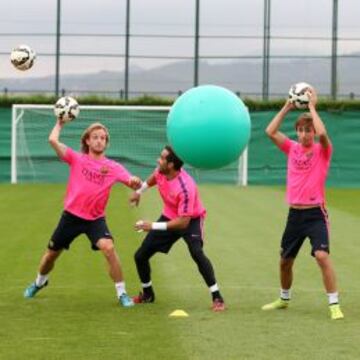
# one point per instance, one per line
(182, 216)
(91, 178)
(307, 167)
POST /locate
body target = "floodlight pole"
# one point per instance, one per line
(266, 49)
(334, 50)
(127, 50)
(57, 56)
(196, 52)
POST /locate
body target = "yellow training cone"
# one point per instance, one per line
(179, 313)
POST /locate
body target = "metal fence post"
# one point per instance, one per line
(334, 50)
(196, 39)
(266, 49)
(57, 58)
(127, 50)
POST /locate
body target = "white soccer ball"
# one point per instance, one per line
(23, 57)
(66, 109)
(298, 96)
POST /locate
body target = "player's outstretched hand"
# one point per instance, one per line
(135, 182)
(134, 199)
(60, 121)
(312, 95)
(289, 105)
(143, 225)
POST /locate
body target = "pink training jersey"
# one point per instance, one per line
(307, 170)
(90, 182)
(180, 196)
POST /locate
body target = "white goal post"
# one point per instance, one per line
(137, 135)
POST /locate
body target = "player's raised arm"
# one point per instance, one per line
(136, 195)
(272, 130)
(54, 136)
(320, 129)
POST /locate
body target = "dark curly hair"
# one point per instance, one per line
(172, 157)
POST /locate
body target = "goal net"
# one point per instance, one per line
(137, 135)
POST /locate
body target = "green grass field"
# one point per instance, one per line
(77, 316)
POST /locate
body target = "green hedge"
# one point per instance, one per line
(253, 105)
(7, 101)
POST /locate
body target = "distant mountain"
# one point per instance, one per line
(241, 76)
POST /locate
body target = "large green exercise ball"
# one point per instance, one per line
(208, 127)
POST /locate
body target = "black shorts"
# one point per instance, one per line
(302, 223)
(71, 226)
(162, 241)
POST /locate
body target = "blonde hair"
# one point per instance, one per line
(304, 119)
(86, 134)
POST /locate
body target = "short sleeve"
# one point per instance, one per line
(70, 156)
(286, 146)
(122, 175)
(327, 151)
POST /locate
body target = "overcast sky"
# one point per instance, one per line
(168, 17)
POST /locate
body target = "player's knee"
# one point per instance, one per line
(139, 256)
(321, 257)
(51, 255)
(107, 247)
(197, 254)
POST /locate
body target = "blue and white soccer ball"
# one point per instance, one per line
(66, 109)
(23, 57)
(298, 96)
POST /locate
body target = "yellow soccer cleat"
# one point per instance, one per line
(335, 312)
(277, 304)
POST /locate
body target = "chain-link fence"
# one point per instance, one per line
(256, 48)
